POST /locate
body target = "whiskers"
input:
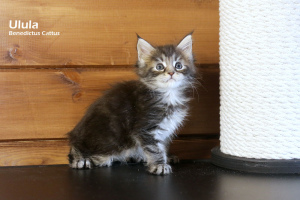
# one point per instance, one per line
(194, 85)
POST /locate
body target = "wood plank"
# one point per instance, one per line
(21, 153)
(192, 149)
(47, 103)
(205, 107)
(103, 32)
(53, 152)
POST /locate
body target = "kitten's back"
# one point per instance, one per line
(110, 121)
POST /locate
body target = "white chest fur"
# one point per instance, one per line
(170, 124)
(174, 120)
(174, 97)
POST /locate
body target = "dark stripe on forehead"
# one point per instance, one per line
(177, 56)
(167, 50)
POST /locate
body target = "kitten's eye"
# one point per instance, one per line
(178, 66)
(160, 67)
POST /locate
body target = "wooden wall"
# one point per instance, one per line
(47, 81)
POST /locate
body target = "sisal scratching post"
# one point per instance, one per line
(259, 86)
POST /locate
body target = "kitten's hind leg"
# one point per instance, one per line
(77, 161)
(135, 160)
(101, 160)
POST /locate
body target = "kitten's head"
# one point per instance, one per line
(166, 67)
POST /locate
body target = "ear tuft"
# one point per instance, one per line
(144, 49)
(186, 45)
(138, 36)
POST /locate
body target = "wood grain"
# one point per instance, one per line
(53, 152)
(204, 113)
(21, 153)
(103, 32)
(193, 148)
(47, 82)
(47, 103)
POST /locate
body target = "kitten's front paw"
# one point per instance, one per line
(81, 164)
(160, 169)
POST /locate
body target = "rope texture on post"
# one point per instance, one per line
(260, 78)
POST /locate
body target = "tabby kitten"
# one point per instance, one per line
(137, 119)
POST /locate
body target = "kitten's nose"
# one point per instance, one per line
(171, 73)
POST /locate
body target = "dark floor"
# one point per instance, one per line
(190, 180)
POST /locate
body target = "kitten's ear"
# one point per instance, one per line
(144, 49)
(186, 46)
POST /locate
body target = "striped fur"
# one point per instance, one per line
(137, 119)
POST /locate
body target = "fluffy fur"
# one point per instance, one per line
(137, 119)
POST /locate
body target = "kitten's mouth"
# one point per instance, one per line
(171, 79)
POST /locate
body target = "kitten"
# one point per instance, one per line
(137, 119)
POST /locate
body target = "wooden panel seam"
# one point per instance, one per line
(50, 152)
(103, 32)
(92, 67)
